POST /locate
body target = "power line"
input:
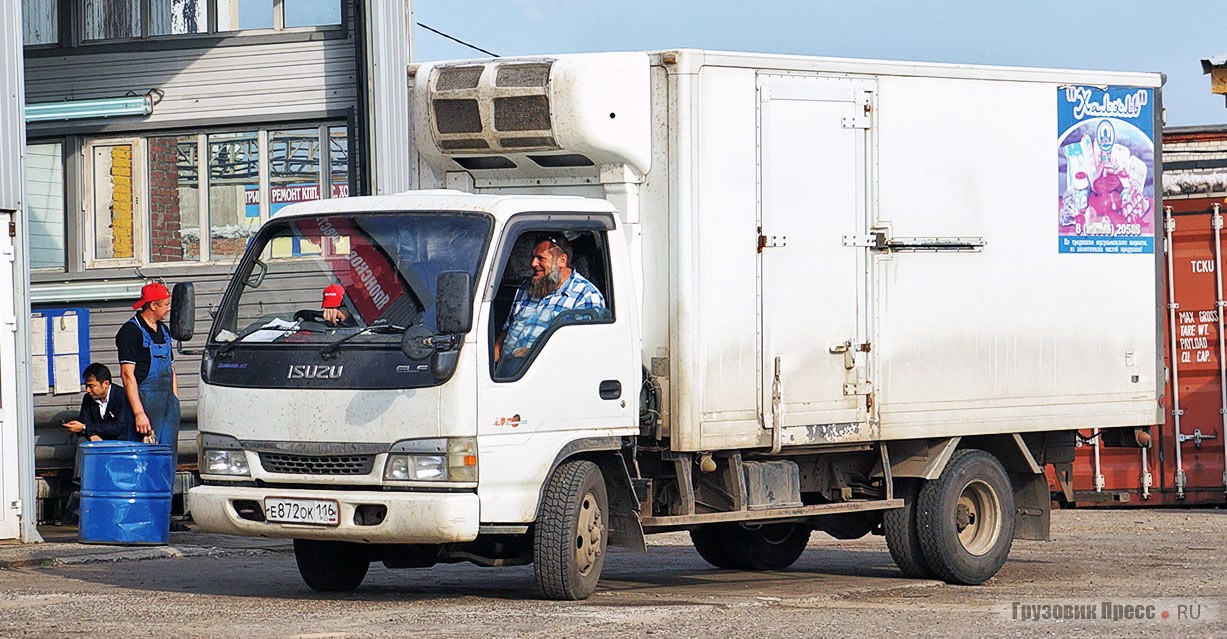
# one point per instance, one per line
(458, 40)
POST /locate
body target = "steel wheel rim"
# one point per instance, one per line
(589, 534)
(978, 518)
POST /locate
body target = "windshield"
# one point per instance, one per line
(366, 277)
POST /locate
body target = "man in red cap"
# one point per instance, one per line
(334, 298)
(146, 366)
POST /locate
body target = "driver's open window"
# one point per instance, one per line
(553, 278)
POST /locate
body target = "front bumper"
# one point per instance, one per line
(412, 518)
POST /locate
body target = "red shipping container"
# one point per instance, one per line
(1185, 462)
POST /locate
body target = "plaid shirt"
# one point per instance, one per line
(531, 316)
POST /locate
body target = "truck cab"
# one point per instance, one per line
(396, 424)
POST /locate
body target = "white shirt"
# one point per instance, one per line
(102, 403)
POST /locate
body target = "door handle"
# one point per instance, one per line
(848, 352)
(611, 389)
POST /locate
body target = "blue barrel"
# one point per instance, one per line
(126, 490)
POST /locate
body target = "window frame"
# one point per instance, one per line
(71, 29)
(85, 231)
(598, 224)
(66, 232)
(140, 204)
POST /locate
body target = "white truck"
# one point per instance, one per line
(840, 295)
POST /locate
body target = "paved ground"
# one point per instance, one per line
(201, 585)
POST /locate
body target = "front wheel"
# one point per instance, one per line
(570, 536)
(965, 519)
(331, 566)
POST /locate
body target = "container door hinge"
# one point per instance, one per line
(860, 388)
(862, 111)
(771, 241)
(15, 505)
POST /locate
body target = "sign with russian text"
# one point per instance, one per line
(1106, 170)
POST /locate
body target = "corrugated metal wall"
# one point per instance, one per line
(389, 33)
(238, 84)
(12, 125)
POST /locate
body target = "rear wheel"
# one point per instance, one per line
(965, 519)
(902, 538)
(709, 541)
(751, 546)
(331, 566)
(570, 537)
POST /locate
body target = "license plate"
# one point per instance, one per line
(319, 512)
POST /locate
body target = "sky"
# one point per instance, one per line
(1169, 36)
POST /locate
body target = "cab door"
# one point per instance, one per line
(814, 278)
(578, 384)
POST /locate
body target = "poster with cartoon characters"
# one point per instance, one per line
(1106, 170)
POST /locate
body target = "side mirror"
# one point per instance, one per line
(183, 311)
(454, 303)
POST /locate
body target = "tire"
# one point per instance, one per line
(709, 541)
(570, 535)
(736, 546)
(965, 519)
(902, 538)
(331, 566)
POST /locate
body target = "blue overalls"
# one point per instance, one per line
(157, 391)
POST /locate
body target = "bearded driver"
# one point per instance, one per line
(554, 287)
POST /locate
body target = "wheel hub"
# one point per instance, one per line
(977, 518)
(589, 533)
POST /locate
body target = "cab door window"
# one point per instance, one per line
(553, 278)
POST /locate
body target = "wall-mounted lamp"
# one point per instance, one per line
(85, 109)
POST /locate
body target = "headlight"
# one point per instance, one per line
(451, 459)
(225, 462)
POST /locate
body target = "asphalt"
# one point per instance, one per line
(60, 546)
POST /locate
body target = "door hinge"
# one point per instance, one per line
(862, 110)
(860, 388)
(771, 241)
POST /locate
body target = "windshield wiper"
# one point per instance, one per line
(374, 328)
(296, 328)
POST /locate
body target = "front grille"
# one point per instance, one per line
(317, 464)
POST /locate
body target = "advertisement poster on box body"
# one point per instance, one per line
(1106, 170)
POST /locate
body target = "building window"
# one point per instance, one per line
(338, 154)
(236, 15)
(174, 199)
(104, 20)
(40, 22)
(111, 19)
(233, 15)
(311, 13)
(234, 192)
(146, 201)
(113, 201)
(178, 17)
(45, 204)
